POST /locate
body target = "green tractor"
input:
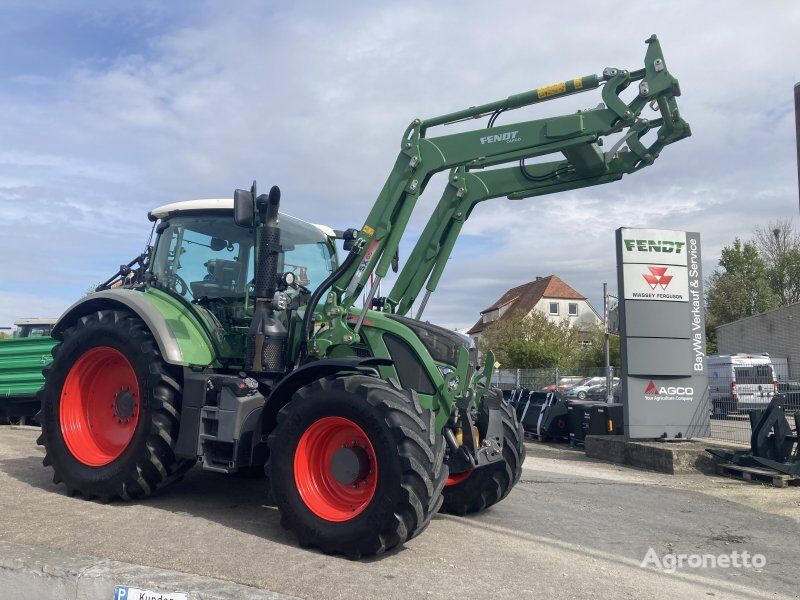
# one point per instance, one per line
(236, 340)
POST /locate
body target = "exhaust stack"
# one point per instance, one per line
(267, 335)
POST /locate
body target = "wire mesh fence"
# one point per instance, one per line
(738, 384)
(586, 383)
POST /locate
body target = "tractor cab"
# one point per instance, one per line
(201, 255)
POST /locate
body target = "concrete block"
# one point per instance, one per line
(672, 457)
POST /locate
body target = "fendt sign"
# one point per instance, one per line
(662, 334)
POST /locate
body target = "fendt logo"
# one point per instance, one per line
(661, 246)
(509, 136)
(668, 392)
(657, 277)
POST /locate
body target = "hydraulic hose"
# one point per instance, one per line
(315, 298)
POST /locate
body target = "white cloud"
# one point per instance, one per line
(315, 98)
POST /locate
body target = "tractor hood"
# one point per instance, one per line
(443, 344)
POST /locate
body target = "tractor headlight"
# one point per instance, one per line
(453, 384)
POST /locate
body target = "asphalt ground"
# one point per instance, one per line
(572, 528)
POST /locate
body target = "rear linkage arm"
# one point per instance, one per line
(575, 136)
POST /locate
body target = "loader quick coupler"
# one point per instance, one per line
(468, 450)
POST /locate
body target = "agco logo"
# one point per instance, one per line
(653, 390)
(657, 277)
(509, 136)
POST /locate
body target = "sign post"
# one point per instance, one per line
(662, 334)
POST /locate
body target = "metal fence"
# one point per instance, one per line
(593, 379)
(739, 385)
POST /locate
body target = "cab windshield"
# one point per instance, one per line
(206, 256)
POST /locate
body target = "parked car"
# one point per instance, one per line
(565, 382)
(22, 358)
(740, 382)
(598, 392)
(580, 390)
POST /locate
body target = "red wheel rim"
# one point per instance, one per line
(326, 496)
(457, 478)
(99, 406)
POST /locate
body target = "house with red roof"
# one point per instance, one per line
(550, 295)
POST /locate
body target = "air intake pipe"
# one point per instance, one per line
(267, 335)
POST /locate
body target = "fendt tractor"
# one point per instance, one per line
(237, 340)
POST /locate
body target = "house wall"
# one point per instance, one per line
(776, 332)
(585, 317)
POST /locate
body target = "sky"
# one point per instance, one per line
(108, 110)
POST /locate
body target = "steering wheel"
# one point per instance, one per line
(176, 282)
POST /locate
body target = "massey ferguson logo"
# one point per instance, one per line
(657, 277)
(509, 136)
(668, 392)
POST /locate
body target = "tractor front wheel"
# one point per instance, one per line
(110, 410)
(356, 466)
(475, 491)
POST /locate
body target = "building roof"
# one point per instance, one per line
(523, 298)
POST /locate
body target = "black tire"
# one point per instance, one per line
(489, 485)
(408, 450)
(581, 395)
(148, 462)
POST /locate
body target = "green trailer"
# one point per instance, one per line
(240, 340)
(22, 358)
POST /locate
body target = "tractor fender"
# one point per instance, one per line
(305, 374)
(138, 303)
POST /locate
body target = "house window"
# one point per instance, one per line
(554, 308)
(573, 309)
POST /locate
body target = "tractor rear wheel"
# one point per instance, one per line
(475, 491)
(356, 465)
(110, 410)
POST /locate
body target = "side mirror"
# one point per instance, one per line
(244, 207)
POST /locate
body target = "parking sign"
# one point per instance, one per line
(123, 592)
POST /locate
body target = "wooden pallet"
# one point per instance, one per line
(779, 480)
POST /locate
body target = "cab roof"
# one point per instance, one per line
(204, 204)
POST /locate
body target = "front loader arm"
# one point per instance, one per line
(464, 191)
(575, 136)
(467, 188)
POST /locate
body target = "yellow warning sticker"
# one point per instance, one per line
(551, 90)
(368, 230)
(577, 83)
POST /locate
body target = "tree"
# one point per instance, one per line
(742, 287)
(531, 354)
(779, 246)
(594, 354)
(531, 341)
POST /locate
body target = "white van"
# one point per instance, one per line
(738, 382)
